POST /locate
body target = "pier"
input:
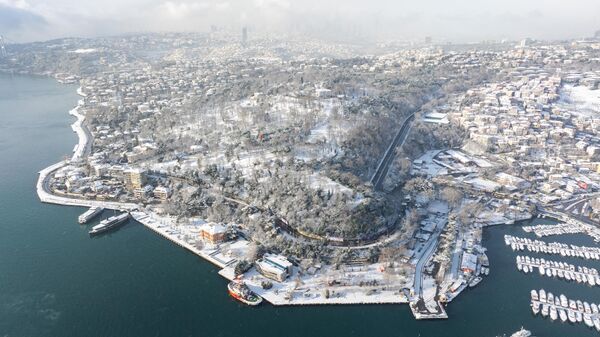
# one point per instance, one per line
(558, 269)
(537, 246)
(574, 311)
(548, 230)
(569, 225)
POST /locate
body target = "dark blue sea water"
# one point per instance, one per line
(56, 281)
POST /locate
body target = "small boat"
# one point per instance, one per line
(563, 315)
(587, 319)
(571, 316)
(596, 321)
(544, 309)
(240, 291)
(475, 281)
(572, 305)
(553, 313)
(534, 295)
(521, 333)
(587, 308)
(535, 307)
(563, 301)
(542, 295)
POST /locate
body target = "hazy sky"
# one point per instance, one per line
(457, 20)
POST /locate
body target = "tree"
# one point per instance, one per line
(451, 195)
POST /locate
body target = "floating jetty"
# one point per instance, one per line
(563, 249)
(90, 214)
(559, 306)
(559, 270)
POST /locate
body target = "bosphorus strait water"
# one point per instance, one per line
(57, 281)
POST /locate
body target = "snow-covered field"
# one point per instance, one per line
(580, 100)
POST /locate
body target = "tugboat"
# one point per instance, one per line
(240, 291)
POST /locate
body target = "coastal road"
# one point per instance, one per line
(426, 256)
(84, 145)
(388, 157)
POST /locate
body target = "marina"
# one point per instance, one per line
(559, 306)
(559, 270)
(557, 248)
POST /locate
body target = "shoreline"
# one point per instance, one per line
(214, 256)
(287, 293)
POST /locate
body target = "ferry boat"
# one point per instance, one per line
(89, 214)
(110, 223)
(240, 291)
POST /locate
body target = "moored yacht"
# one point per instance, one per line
(571, 316)
(544, 309)
(534, 295)
(563, 315)
(553, 313)
(542, 295)
(535, 307)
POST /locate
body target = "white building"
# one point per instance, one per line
(275, 267)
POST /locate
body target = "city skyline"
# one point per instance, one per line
(461, 21)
